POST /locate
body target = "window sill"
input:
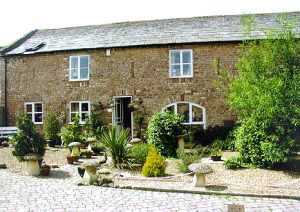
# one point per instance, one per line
(183, 77)
(78, 80)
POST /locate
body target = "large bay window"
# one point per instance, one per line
(193, 114)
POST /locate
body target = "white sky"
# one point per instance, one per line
(18, 17)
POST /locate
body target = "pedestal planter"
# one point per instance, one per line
(32, 164)
(200, 171)
(75, 148)
(90, 175)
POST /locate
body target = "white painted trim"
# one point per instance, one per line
(33, 112)
(78, 73)
(191, 104)
(181, 63)
(80, 110)
(113, 113)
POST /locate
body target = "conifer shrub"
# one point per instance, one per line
(139, 153)
(155, 165)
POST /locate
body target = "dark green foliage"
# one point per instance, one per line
(266, 96)
(73, 132)
(27, 140)
(163, 130)
(207, 136)
(139, 119)
(185, 159)
(155, 165)
(114, 143)
(52, 127)
(96, 122)
(234, 163)
(139, 153)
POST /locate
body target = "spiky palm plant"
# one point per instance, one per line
(115, 142)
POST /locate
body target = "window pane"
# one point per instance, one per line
(38, 107)
(83, 116)
(175, 57)
(85, 107)
(175, 70)
(186, 69)
(183, 109)
(38, 117)
(84, 73)
(74, 73)
(74, 107)
(197, 114)
(29, 108)
(171, 108)
(74, 62)
(84, 62)
(73, 116)
(186, 57)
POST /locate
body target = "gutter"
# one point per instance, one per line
(5, 92)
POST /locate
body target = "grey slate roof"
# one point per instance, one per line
(143, 33)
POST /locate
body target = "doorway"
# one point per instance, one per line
(122, 116)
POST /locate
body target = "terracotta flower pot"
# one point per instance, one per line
(45, 170)
(70, 159)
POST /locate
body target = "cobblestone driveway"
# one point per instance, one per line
(60, 193)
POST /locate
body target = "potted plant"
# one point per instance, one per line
(45, 170)
(52, 129)
(139, 119)
(216, 155)
(28, 145)
(88, 153)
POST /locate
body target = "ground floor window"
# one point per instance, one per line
(34, 110)
(80, 107)
(193, 114)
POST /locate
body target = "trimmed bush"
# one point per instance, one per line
(163, 129)
(73, 132)
(139, 153)
(27, 140)
(187, 159)
(234, 163)
(52, 127)
(155, 165)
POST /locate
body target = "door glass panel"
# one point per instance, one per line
(183, 109)
(197, 114)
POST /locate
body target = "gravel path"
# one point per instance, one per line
(248, 181)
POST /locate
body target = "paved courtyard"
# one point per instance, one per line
(59, 192)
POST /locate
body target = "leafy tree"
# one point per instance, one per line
(52, 126)
(266, 96)
(163, 129)
(27, 140)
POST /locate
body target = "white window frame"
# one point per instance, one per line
(80, 110)
(191, 122)
(78, 74)
(33, 112)
(181, 63)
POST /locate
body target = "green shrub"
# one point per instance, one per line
(187, 158)
(163, 129)
(73, 132)
(52, 127)
(155, 165)
(27, 140)
(139, 153)
(115, 145)
(234, 163)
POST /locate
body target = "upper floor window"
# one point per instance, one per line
(181, 63)
(79, 68)
(34, 110)
(80, 107)
(193, 114)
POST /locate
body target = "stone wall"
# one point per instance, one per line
(2, 77)
(141, 72)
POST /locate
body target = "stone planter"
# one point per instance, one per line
(32, 168)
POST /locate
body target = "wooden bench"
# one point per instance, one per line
(7, 131)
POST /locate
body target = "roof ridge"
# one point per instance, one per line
(166, 19)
